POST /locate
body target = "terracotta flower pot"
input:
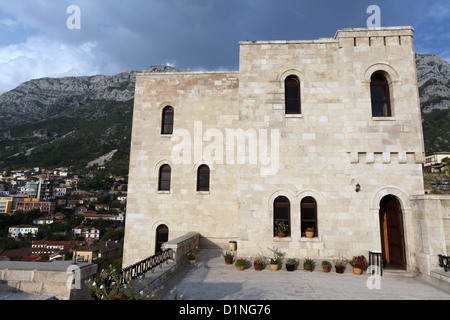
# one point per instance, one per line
(281, 234)
(240, 268)
(357, 270)
(229, 260)
(258, 267)
(274, 267)
(192, 261)
(309, 234)
(326, 268)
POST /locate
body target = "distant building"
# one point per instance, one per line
(433, 162)
(99, 250)
(28, 204)
(23, 229)
(6, 204)
(88, 233)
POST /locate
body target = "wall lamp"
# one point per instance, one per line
(358, 188)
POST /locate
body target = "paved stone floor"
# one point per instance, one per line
(211, 279)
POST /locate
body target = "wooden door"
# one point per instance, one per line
(392, 220)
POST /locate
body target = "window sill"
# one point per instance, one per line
(383, 118)
(163, 192)
(293, 115)
(166, 135)
(306, 239)
(284, 239)
(202, 192)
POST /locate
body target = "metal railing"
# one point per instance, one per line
(444, 262)
(140, 268)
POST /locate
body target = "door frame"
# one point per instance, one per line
(161, 227)
(385, 244)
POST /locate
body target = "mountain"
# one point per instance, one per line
(68, 121)
(433, 75)
(72, 121)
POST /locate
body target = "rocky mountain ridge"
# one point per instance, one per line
(75, 120)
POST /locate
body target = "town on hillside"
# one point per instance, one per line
(61, 214)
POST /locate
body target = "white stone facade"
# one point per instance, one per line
(323, 152)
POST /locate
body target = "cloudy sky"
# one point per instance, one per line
(117, 35)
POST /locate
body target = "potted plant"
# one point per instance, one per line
(258, 262)
(290, 264)
(359, 264)
(308, 264)
(191, 257)
(326, 266)
(281, 229)
(240, 264)
(340, 264)
(275, 261)
(309, 232)
(228, 257)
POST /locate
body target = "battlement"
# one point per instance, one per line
(387, 36)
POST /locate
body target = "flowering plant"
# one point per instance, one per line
(227, 254)
(310, 229)
(277, 255)
(359, 262)
(341, 262)
(191, 254)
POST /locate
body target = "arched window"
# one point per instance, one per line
(164, 178)
(203, 178)
(308, 215)
(167, 120)
(380, 96)
(292, 95)
(282, 213)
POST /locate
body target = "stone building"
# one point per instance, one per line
(322, 134)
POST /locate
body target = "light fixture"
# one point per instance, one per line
(358, 188)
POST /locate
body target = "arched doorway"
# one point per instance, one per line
(392, 232)
(162, 235)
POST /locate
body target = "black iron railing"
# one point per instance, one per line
(444, 262)
(140, 268)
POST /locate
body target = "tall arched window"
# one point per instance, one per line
(203, 178)
(164, 178)
(292, 95)
(380, 96)
(308, 215)
(281, 213)
(167, 120)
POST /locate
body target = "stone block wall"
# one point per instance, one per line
(323, 152)
(61, 280)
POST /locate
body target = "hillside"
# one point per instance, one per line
(68, 121)
(72, 121)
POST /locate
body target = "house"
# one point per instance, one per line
(90, 234)
(43, 220)
(91, 252)
(324, 134)
(23, 230)
(433, 162)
